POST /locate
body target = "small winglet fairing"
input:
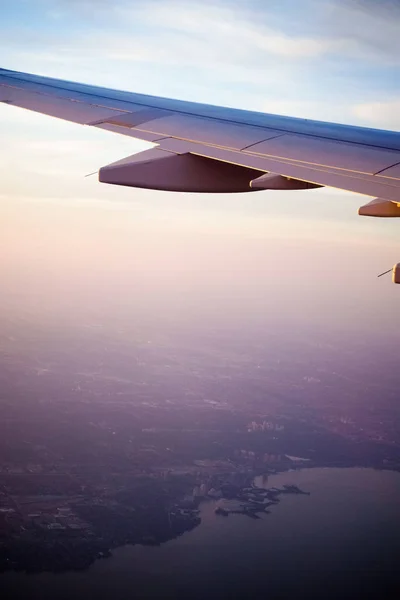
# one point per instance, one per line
(203, 148)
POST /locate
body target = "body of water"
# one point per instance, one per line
(342, 541)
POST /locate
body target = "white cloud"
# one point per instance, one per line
(209, 37)
(354, 28)
(366, 29)
(384, 115)
(236, 28)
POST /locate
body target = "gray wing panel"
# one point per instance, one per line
(327, 153)
(370, 185)
(69, 110)
(210, 131)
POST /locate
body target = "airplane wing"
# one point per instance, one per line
(203, 148)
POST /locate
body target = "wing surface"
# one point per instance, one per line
(209, 148)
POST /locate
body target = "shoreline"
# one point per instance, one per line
(252, 506)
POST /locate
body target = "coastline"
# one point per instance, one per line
(252, 499)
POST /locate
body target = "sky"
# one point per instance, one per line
(67, 240)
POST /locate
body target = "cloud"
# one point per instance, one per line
(236, 28)
(364, 29)
(361, 29)
(205, 36)
(385, 115)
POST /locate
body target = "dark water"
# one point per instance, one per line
(342, 541)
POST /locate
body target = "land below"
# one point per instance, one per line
(112, 440)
